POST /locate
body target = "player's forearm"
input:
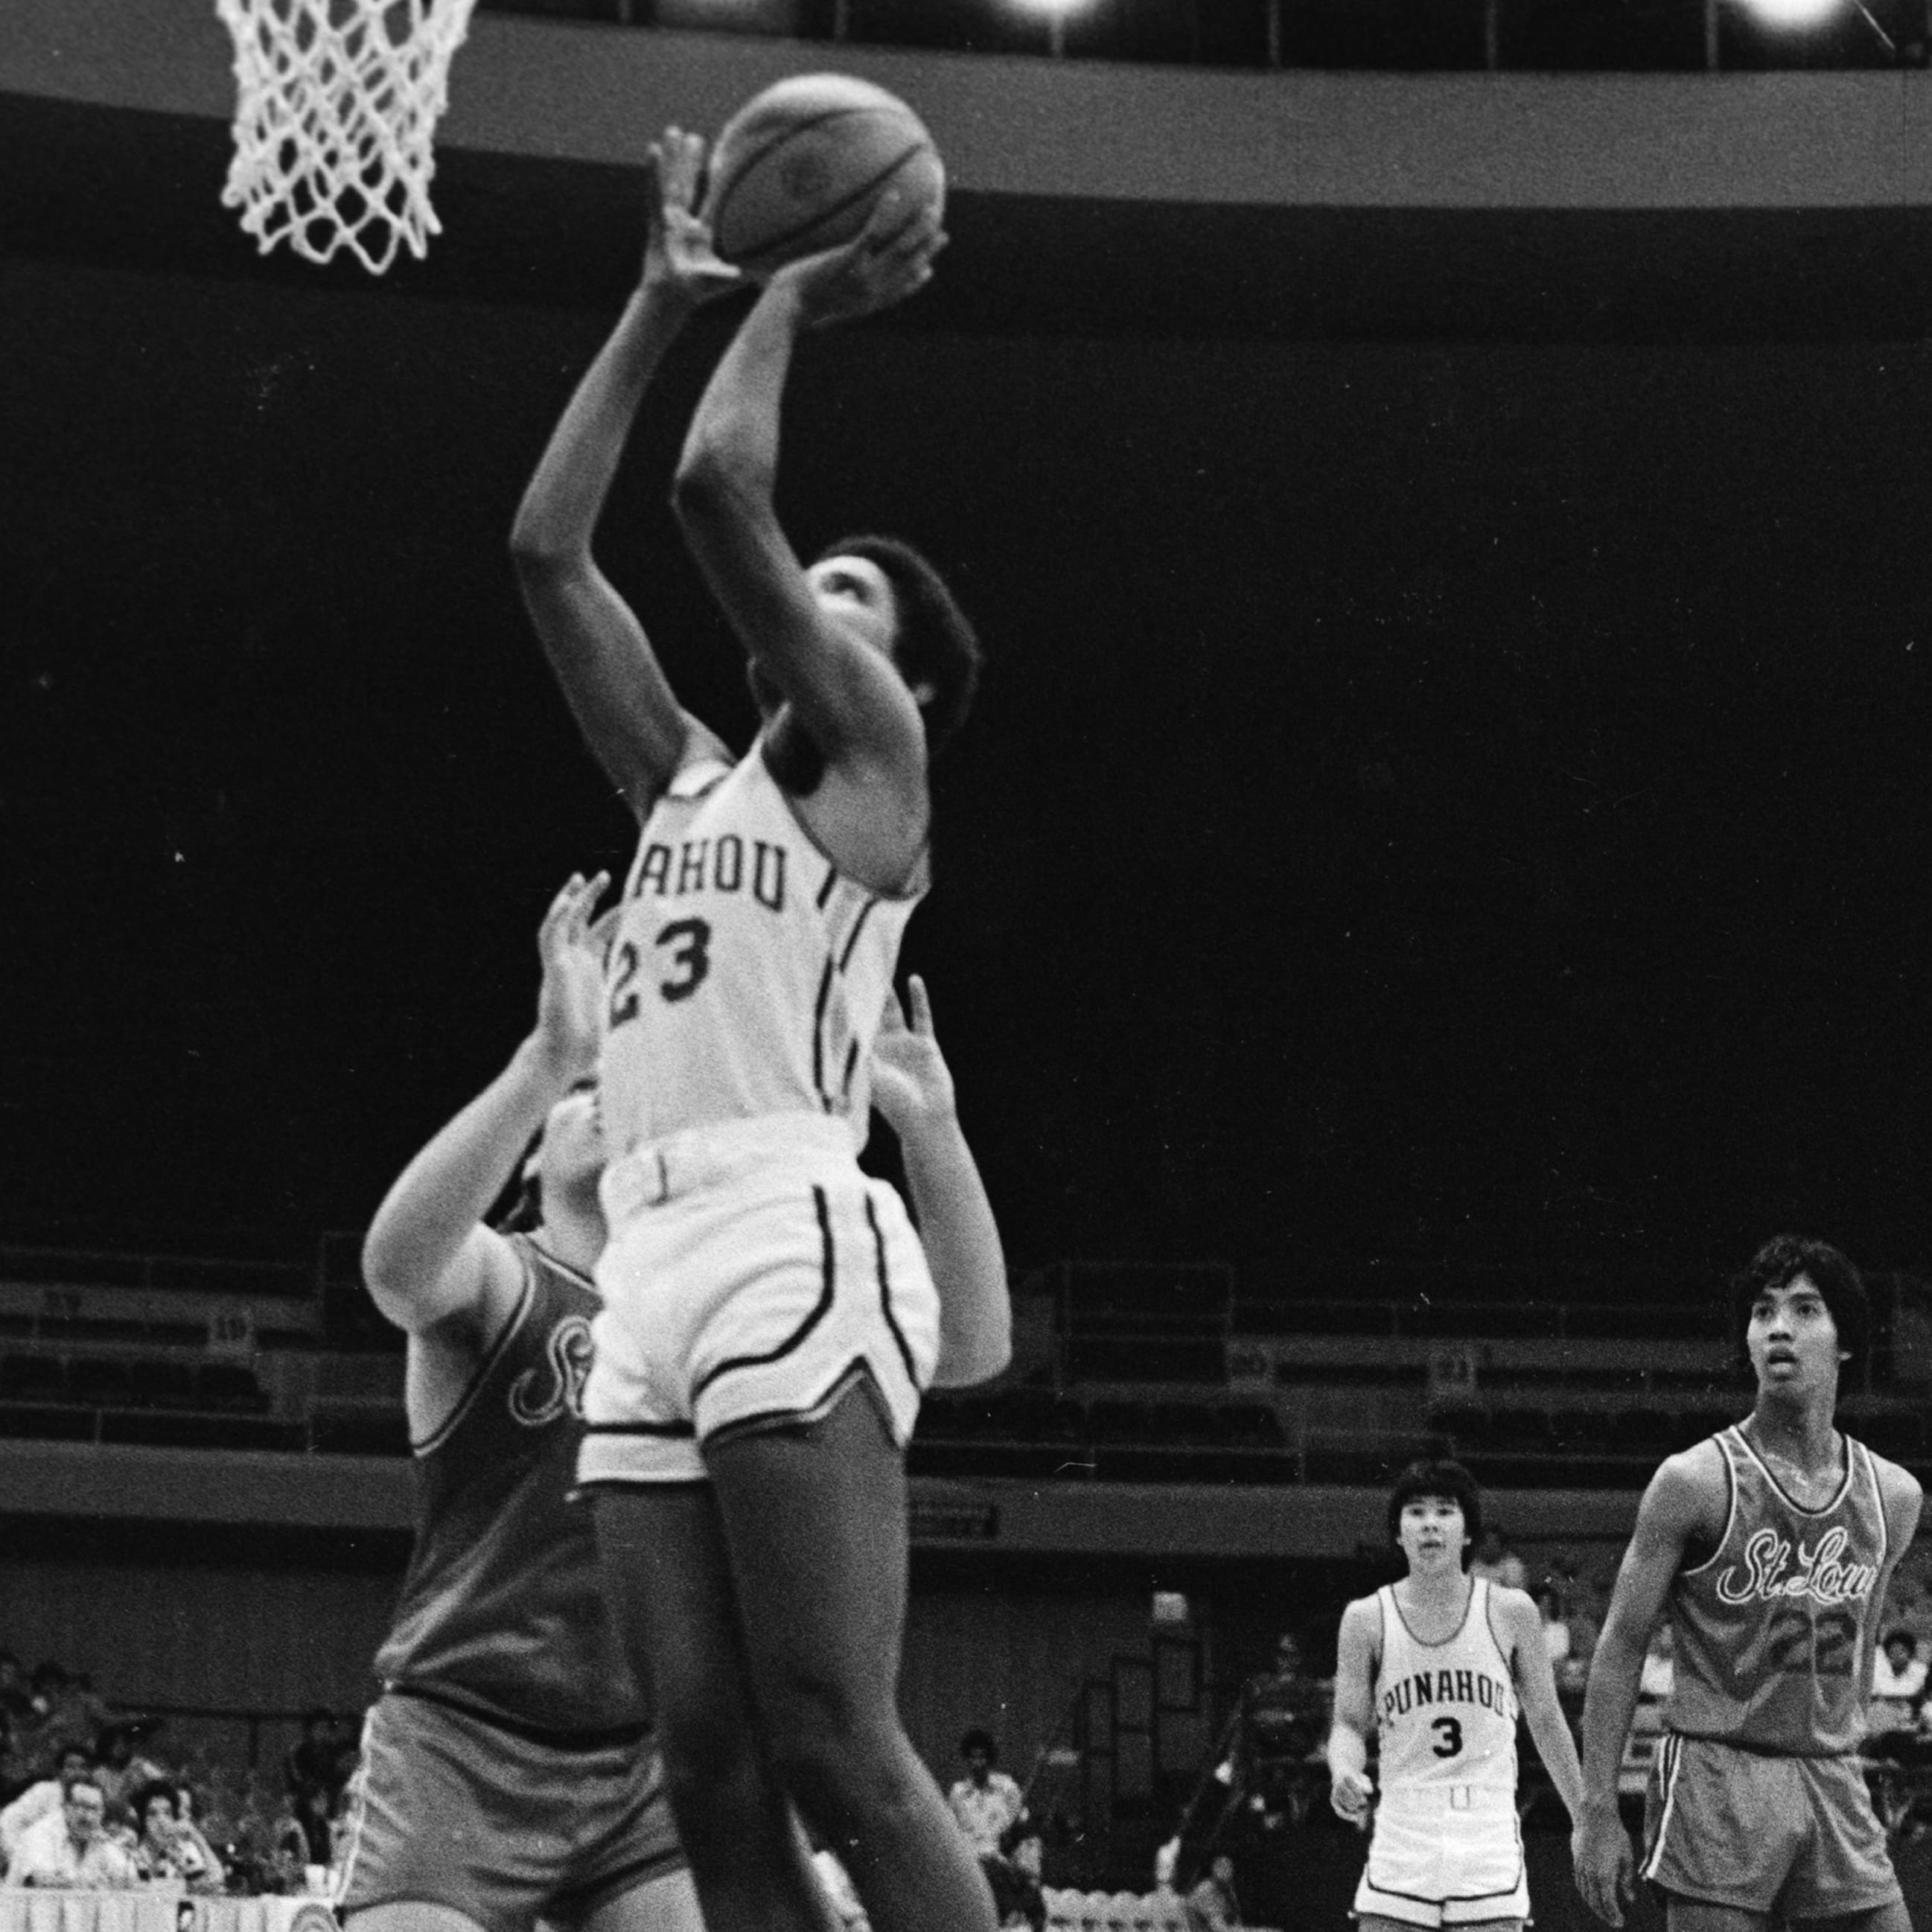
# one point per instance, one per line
(560, 507)
(1558, 1750)
(1616, 1670)
(963, 1252)
(731, 450)
(428, 1215)
(1348, 1751)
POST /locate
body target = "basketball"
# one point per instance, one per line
(801, 167)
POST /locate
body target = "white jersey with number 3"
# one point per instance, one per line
(746, 974)
(1445, 1713)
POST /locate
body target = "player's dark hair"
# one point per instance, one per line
(978, 1740)
(1438, 1477)
(145, 1793)
(1780, 1262)
(937, 643)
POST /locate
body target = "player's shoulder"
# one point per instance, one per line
(1690, 1487)
(1507, 1604)
(1898, 1488)
(1701, 1466)
(1362, 1619)
(705, 761)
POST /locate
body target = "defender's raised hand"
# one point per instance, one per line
(570, 1001)
(912, 1085)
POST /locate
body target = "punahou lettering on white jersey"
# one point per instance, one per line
(1445, 1713)
(746, 974)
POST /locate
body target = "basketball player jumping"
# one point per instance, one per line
(1438, 1665)
(507, 1771)
(769, 1322)
(1772, 1542)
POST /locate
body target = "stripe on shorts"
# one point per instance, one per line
(797, 1338)
(886, 1295)
(1672, 1769)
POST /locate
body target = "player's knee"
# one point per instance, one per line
(840, 1769)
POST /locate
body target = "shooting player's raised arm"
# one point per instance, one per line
(617, 690)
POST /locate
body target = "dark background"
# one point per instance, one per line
(1451, 781)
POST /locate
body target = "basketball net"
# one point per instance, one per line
(337, 104)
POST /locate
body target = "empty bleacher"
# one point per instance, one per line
(1124, 1373)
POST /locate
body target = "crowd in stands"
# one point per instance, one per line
(92, 1799)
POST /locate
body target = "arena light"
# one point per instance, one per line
(1793, 13)
(1056, 12)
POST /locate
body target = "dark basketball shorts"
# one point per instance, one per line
(1765, 1833)
(448, 1808)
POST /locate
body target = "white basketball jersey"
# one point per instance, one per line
(1445, 1713)
(746, 974)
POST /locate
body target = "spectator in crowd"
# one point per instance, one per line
(1500, 1564)
(71, 1847)
(120, 1826)
(1897, 1708)
(1556, 1639)
(16, 1699)
(837, 1882)
(1283, 1718)
(1212, 1906)
(121, 1769)
(169, 1846)
(41, 1800)
(314, 1762)
(986, 1802)
(290, 1850)
(238, 1824)
(314, 1807)
(1015, 1874)
(1898, 1671)
(16, 1761)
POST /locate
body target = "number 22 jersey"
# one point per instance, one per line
(746, 974)
(1773, 1633)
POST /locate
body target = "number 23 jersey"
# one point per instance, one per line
(1445, 1713)
(1773, 1633)
(746, 974)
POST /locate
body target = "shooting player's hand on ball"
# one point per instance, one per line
(679, 257)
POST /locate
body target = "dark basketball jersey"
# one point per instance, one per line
(1775, 1631)
(501, 1610)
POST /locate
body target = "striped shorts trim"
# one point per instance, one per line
(1440, 1865)
(1764, 1832)
(753, 1305)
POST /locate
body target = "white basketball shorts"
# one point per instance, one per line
(1450, 1855)
(753, 1273)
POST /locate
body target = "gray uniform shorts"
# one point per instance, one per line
(449, 1808)
(1796, 1836)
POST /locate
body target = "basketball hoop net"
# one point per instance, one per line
(337, 104)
